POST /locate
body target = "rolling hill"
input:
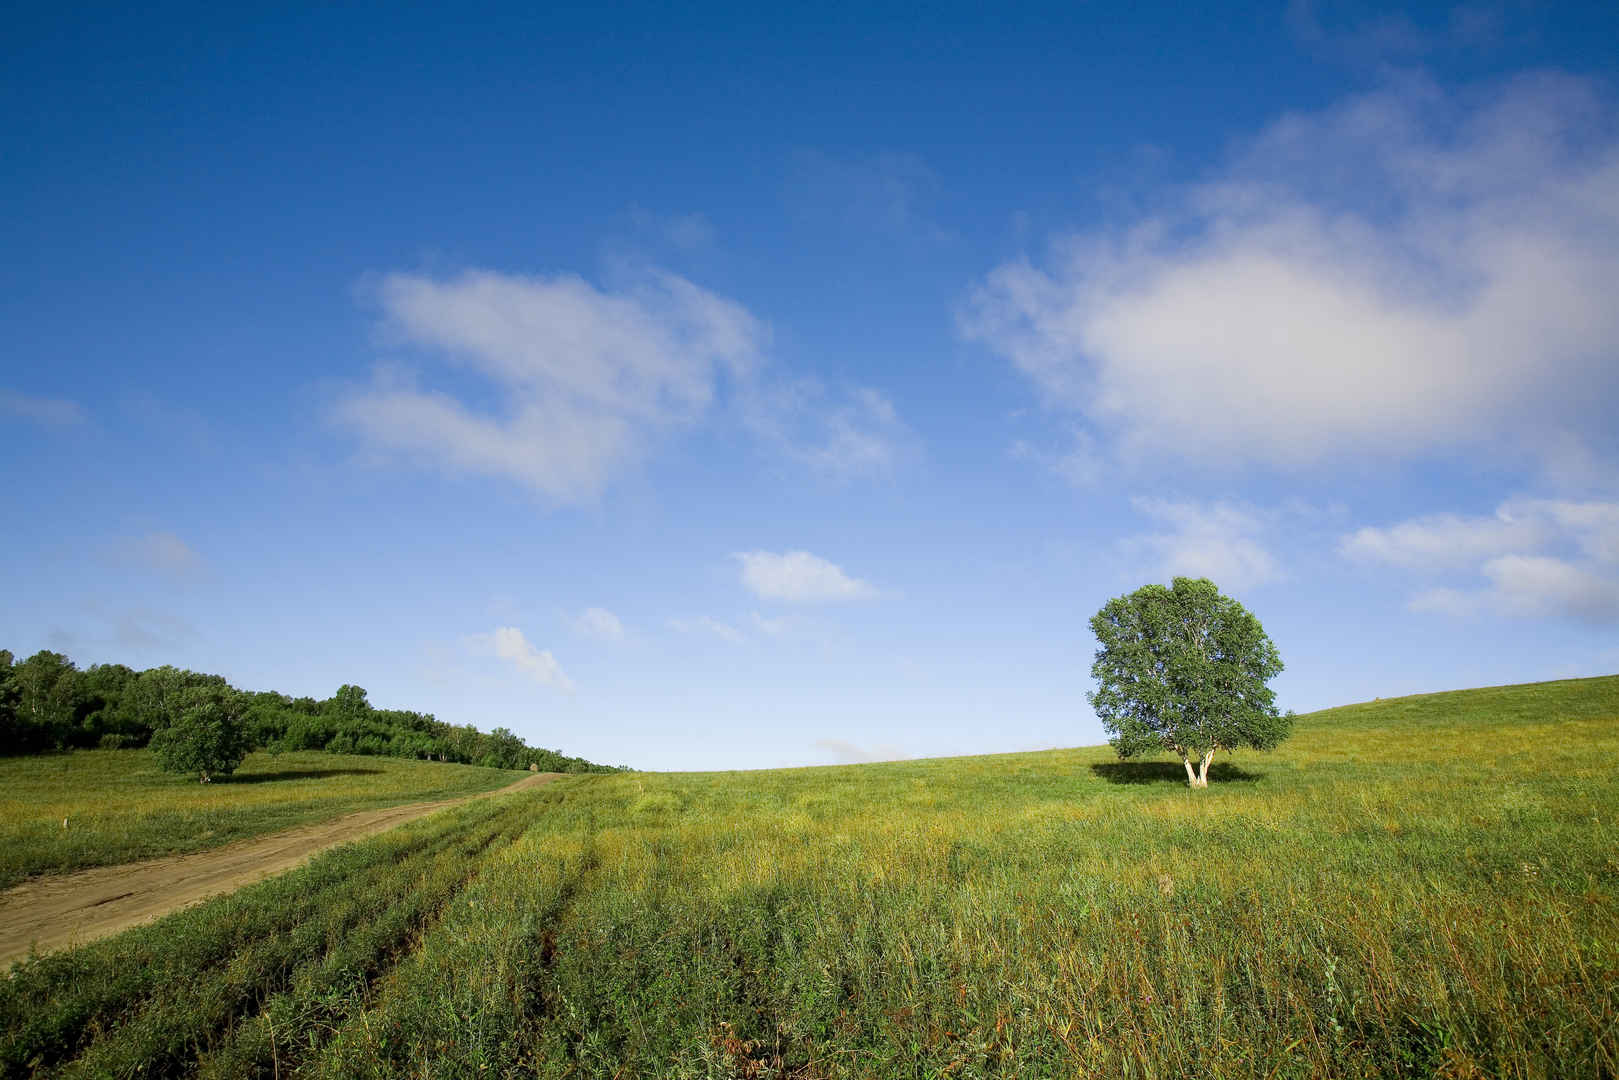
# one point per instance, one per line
(1412, 887)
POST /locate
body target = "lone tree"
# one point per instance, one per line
(1184, 669)
(207, 737)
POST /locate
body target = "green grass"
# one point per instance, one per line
(1419, 887)
(145, 1001)
(120, 807)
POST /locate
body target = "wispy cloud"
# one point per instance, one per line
(1406, 272)
(1223, 542)
(772, 627)
(48, 411)
(508, 643)
(1538, 557)
(1530, 586)
(1348, 36)
(1447, 541)
(1080, 463)
(886, 194)
(844, 752)
(688, 232)
(148, 631)
(159, 552)
(843, 435)
(707, 624)
(599, 623)
(584, 377)
(798, 577)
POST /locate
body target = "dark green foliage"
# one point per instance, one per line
(154, 699)
(207, 738)
(503, 750)
(46, 686)
(1184, 669)
(103, 713)
(10, 694)
(47, 703)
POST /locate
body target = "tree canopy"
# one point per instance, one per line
(1184, 669)
(207, 737)
(47, 703)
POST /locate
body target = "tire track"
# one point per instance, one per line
(65, 910)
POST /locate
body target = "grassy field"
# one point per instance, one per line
(1417, 887)
(120, 807)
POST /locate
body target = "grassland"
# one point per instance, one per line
(119, 807)
(1417, 887)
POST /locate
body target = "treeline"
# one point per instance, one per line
(48, 703)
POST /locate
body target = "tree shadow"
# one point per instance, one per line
(1168, 772)
(295, 774)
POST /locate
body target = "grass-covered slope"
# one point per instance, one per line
(120, 807)
(1427, 886)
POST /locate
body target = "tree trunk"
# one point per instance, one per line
(1191, 774)
(1203, 770)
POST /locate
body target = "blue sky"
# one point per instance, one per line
(729, 387)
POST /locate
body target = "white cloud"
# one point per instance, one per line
(1518, 526)
(1445, 541)
(600, 623)
(798, 577)
(1529, 586)
(707, 624)
(508, 643)
(843, 435)
(583, 377)
(1539, 557)
(1403, 273)
(52, 412)
(1593, 525)
(1537, 585)
(1219, 541)
(844, 752)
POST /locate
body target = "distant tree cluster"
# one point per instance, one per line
(200, 723)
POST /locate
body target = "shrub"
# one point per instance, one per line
(208, 737)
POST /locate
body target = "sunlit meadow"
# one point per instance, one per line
(1425, 886)
(101, 807)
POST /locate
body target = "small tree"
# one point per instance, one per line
(1184, 669)
(207, 737)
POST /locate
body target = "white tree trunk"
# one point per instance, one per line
(1191, 774)
(1203, 770)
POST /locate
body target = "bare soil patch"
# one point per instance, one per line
(64, 910)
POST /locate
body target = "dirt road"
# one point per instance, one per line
(70, 909)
